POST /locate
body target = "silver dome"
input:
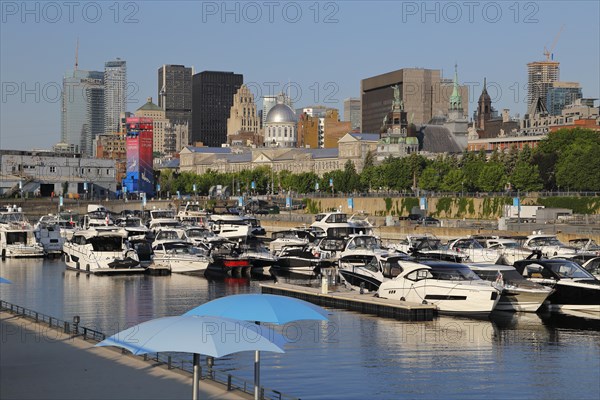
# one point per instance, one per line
(281, 113)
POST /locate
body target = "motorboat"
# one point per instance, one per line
(368, 271)
(510, 249)
(516, 292)
(229, 226)
(474, 250)
(47, 233)
(67, 220)
(259, 256)
(585, 245)
(101, 251)
(192, 215)
(180, 256)
(549, 245)
(200, 236)
(329, 248)
(162, 219)
(133, 226)
(429, 246)
(298, 259)
(576, 291)
(17, 237)
(290, 237)
(452, 287)
(337, 224)
(255, 228)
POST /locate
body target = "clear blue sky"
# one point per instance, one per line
(324, 53)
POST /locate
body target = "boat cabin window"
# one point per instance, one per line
(338, 232)
(16, 237)
(454, 273)
(167, 235)
(391, 268)
(570, 270)
(162, 214)
(419, 274)
(467, 244)
(319, 217)
(373, 265)
(106, 243)
(332, 244)
(337, 219)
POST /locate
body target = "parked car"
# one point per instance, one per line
(428, 221)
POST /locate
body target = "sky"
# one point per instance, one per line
(318, 51)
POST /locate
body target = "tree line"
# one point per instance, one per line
(568, 159)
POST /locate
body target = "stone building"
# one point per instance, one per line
(168, 136)
(280, 126)
(243, 124)
(322, 130)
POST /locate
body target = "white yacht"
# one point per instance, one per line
(453, 288)
(474, 250)
(17, 237)
(101, 251)
(516, 292)
(428, 245)
(229, 226)
(291, 237)
(192, 214)
(369, 271)
(162, 219)
(510, 249)
(181, 257)
(336, 224)
(549, 245)
(47, 233)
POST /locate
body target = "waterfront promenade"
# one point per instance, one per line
(37, 362)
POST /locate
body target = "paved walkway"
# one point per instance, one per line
(40, 363)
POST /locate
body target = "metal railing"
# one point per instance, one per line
(230, 381)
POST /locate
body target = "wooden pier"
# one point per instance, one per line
(352, 300)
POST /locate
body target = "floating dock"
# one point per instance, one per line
(352, 300)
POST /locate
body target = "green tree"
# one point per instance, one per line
(454, 181)
(430, 178)
(492, 178)
(526, 177)
(579, 167)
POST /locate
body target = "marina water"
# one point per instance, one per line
(351, 356)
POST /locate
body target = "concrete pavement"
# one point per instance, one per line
(37, 362)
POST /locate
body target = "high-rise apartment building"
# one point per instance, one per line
(352, 112)
(423, 92)
(175, 93)
(82, 113)
(541, 75)
(212, 98)
(115, 94)
(560, 95)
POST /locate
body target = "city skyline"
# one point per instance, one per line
(361, 39)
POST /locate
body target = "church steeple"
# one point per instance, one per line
(455, 98)
(484, 107)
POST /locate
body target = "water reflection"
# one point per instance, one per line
(352, 355)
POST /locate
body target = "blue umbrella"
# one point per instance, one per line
(261, 308)
(4, 280)
(209, 335)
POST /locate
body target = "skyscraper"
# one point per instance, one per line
(560, 95)
(115, 94)
(352, 112)
(82, 111)
(212, 99)
(540, 77)
(175, 93)
(423, 92)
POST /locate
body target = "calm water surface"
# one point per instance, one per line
(351, 356)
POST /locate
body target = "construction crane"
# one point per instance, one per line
(548, 51)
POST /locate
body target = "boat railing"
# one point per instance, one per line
(170, 360)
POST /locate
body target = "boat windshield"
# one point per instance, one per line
(131, 222)
(467, 244)
(163, 214)
(12, 217)
(454, 273)
(364, 242)
(107, 243)
(509, 245)
(570, 270)
(391, 267)
(167, 235)
(332, 244)
(427, 244)
(199, 233)
(180, 248)
(545, 241)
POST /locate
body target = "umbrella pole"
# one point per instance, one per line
(196, 376)
(256, 375)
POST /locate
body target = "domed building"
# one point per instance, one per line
(280, 126)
